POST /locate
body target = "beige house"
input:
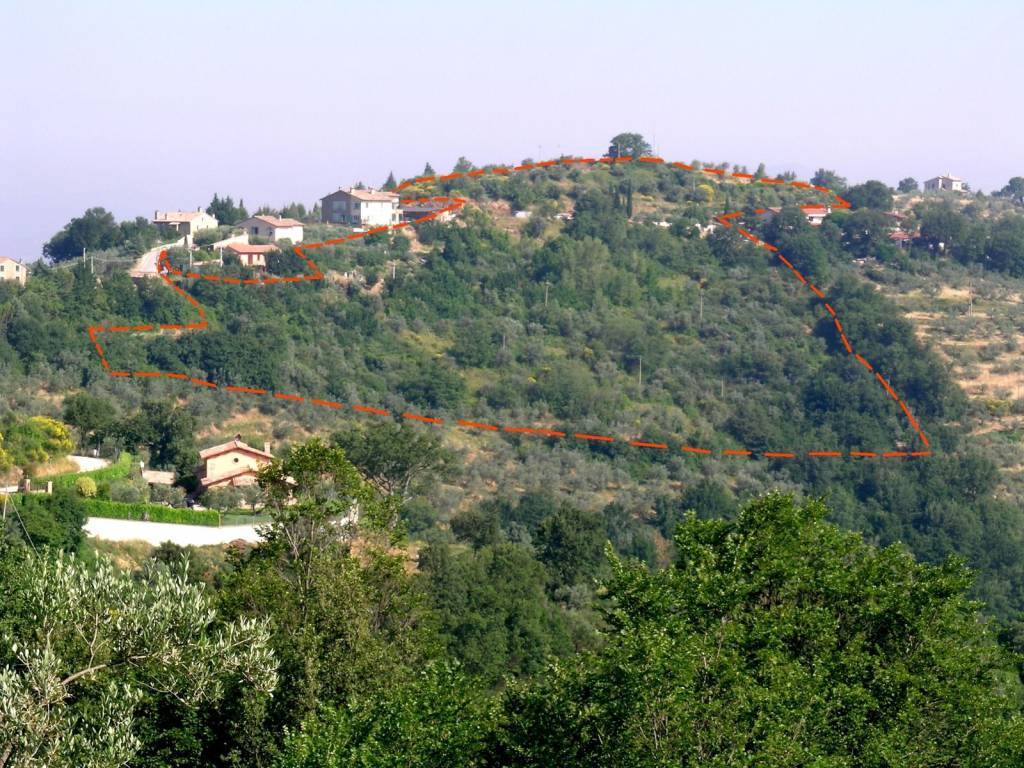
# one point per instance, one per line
(948, 182)
(233, 463)
(360, 208)
(185, 223)
(13, 270)
(273, 228)
(250, 255)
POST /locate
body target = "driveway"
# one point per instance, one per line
(157, 533)
(89, 463)
(146, 264)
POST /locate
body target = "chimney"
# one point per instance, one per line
(266, 446)
(156, 215)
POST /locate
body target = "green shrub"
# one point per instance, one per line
(86, 487)
(128, 491)
(169, 494)
(121, 468)
(153, 512)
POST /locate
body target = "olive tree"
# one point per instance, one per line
(82, 645)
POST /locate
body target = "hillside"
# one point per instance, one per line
(545, 321)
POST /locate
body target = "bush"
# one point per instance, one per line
(125, 490)
(86, 487)
(167, 494)
(152, 512)
(223, 498)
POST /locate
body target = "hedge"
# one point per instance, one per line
(157, 513)
(121, 468)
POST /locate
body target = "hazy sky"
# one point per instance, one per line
(135, 105)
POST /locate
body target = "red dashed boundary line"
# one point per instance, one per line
(728, 220)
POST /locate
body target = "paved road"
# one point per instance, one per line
(157, 533)
(89, 463)
(146, 265)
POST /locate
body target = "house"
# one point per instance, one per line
(948, 182)
(901, 239)
(273, 228)
(232, 463)
(13, 270)
(815, 214)
(250, 255)
(417, 210)
(185, 223)
(360, 207)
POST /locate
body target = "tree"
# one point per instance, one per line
(871, 194)
(89, 414)
(96, 229)
(570, 543)
(438, 718)
(225, 211)
(84, 644)
(37, 440)
(907, 185)
(628, 145)
(776, 640)
(830, 179)
(1014, 190)
(168, 431)
(428, 170)
(350, 623)
(396, 459)
(390, 182)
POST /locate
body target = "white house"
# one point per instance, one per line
(946, 182)
(273, 228)
(360, 207)
(13, 270)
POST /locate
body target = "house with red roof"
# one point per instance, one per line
(233, 463)
(250, 255)
(273, 228)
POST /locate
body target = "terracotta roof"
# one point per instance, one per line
(250, 248)
(276, 221)
(372, 195)
(232, 445)
(9, 260)
(900, 235)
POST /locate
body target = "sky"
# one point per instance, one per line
(135, 105)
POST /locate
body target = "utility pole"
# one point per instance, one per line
(970, 298)
(546, 292)
(640, 378)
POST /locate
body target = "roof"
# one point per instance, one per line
(232, 445)
(900, 235)
(250, 248)
(9, 260)
(948, 176)
(156, 477)
(815, 209)
(178, 215)
(206, 481)
(369, 195)
(276, 221)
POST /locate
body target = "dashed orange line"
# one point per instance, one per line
(165, 268)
